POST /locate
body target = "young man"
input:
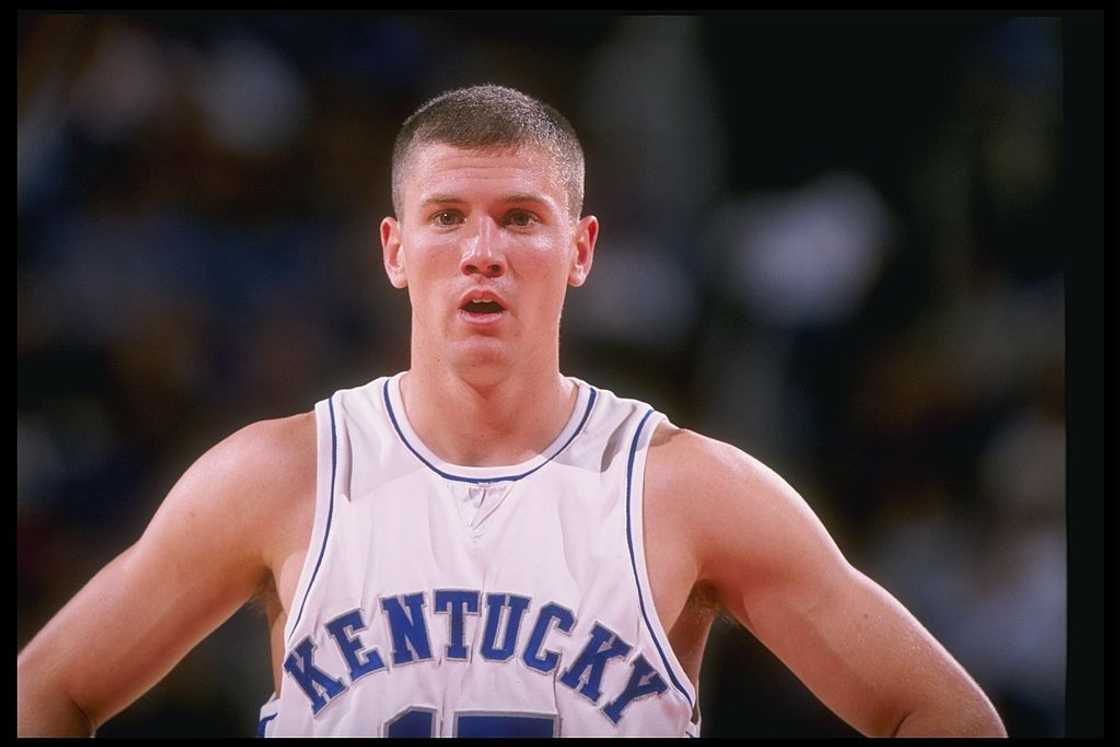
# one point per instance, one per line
(480, 545)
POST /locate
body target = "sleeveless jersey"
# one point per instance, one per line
(443, 600)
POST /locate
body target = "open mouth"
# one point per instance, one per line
(482, 307)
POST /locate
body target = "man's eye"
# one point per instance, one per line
(520, 218)
(447, 218)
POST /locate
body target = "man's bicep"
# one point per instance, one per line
(845, 637)
(196, 563)
(849, 646)
(757, 536)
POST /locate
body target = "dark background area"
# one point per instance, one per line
(837, 242)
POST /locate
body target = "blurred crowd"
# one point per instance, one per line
(829, 242)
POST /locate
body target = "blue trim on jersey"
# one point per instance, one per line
(634, 564)
(330, 514)
(264, 723)
(511, 478)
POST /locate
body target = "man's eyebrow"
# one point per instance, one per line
(516, 197)
(440, 199)
(527, 197)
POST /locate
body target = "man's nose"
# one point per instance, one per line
(481, 253)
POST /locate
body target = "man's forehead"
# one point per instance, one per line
(436, 156)
(433, 164)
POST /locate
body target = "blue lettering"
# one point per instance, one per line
(351, 647)
(644, 680)
(457, 603)
(604, 645)
(408, 629)
(299, 664)
(494, 603)
(532, 656)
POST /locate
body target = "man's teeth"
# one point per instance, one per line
(484, 301)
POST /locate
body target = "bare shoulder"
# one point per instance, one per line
(265, 474)
(737, 515)
(683, 462)
(250, 495)
(278, 454)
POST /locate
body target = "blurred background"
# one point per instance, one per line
(827, 240)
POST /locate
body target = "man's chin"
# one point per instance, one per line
(480, 355)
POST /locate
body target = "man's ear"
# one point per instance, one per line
(393, 252)
(587, 231)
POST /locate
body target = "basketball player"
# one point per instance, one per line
(481, 545)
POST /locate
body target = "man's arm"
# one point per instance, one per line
(206, 551)
(777, 570)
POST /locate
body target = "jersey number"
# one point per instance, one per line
(420, 722)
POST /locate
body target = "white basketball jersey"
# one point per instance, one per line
(441, 600)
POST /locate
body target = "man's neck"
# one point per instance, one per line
(501, 423)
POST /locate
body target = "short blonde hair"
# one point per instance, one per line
(490, 116)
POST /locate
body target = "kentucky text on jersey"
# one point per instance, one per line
(508, 619)
(437, 599)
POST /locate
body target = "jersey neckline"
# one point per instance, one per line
(394, 408)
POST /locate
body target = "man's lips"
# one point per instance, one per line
(479, 319)
(482, 302)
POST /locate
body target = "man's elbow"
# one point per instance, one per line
(977, 718)
(984, 722)
(45, 710)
